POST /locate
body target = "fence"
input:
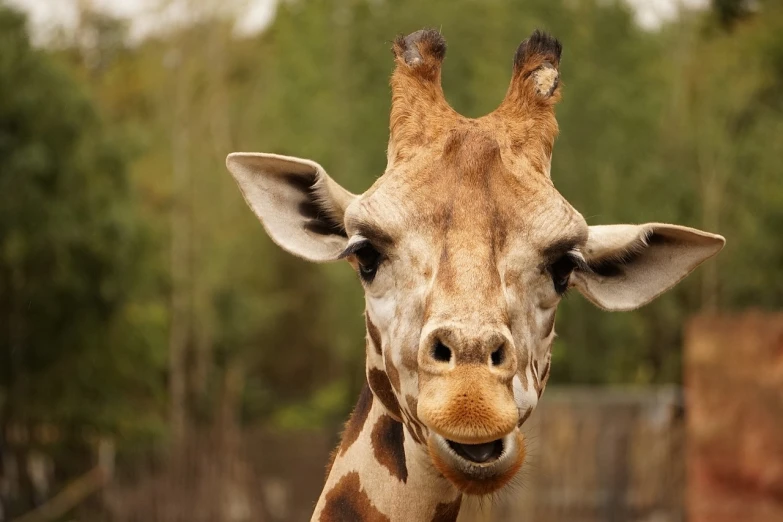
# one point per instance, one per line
(594, 455)
(602, 455)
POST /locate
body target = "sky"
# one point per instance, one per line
(252, 15)
(146, 15)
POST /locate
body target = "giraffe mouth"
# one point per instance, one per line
(478, 453)
(478, 469)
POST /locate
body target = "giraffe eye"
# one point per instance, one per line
(368, 259)
(561, 271)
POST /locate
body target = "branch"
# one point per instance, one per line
(71, 496)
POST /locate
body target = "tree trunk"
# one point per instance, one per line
(180, 318)
(235, 501)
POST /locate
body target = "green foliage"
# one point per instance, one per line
(728, 12)
(79, 346)
(681, 125)
(320, 409)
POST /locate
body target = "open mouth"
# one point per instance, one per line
(478, 469)
(478, 453)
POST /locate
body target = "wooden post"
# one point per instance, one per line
(734, 394)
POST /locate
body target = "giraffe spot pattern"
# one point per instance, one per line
(448, 512)
(406, 420)
(347, 502)
(388, 446)
(525, 416)
(416, 428)
(545, 373)
(381, 387)
(391, 371)
(356, 423)
(375, 335)
(522, 373)
(536, 379)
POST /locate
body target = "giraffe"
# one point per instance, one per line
(464, 249)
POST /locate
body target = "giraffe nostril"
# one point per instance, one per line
(441, 352)
(499, 355)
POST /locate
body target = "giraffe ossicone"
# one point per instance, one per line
(464, 248)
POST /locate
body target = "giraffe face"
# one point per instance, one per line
(463, 262)
(465, 248)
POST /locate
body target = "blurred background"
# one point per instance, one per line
(162, 360)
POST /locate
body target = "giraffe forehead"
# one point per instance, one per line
(442, 204)
(465, 183)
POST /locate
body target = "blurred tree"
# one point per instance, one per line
(79, 340)
(730, 11)
(654, 127)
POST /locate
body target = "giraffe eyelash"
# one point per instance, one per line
(580, 263)
(367, 257)
(354, 245)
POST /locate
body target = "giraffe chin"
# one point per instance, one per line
(478, 478)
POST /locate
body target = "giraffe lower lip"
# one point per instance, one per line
(504, 457)
(478, 453)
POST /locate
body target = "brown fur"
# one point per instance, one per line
(470, 406)
(419, 110)
(412, 423)
(392, 372)
(529, 111)
(525, 120)
(381, 387)
(412, 428)
(346, 501)
(448, 511)
(373, 334)
(358, 418)
(387, 445)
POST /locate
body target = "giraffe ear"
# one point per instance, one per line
(300, 206)
(630, 265)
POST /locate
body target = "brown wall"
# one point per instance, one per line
(734, 378)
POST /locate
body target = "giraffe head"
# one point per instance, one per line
(465, 248)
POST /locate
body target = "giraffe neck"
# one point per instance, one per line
(381, 474)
